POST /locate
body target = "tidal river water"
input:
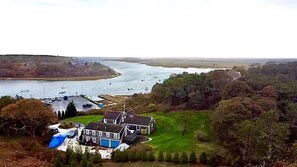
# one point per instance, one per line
(134, 78)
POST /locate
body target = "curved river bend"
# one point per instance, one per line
(134, 78)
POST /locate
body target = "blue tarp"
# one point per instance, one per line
(57, 140)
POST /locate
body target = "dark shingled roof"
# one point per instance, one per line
(111, 114)
(106, 127)
(139, 120)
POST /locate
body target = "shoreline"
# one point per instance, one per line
(187, 63)
(85, 78)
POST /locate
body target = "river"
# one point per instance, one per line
(134, 78)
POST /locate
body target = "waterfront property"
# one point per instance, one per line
(104, 134)
(115, 127)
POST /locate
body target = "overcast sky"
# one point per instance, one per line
(150, 28)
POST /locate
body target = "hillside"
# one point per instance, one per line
(51, 68)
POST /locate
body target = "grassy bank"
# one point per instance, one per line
(187, 62)
(168, 136)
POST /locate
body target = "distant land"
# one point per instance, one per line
(49, 67)
(192, 62)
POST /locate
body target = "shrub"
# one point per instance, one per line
(176, 158)
(66, 125)
(87, 153)
(143, 156)
(78, 153)
(193, 158)
(160, 156)
(68, 155)
(203, 137)
(151, 156)
(58, 162)
(117, 157)
(184, 158)
(163, 108)
(72, 159)
(152, 107)
(168, 157)
(84, 161)
(203, 158)
(212, 160)
(97, 157)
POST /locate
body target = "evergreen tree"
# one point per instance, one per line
(176, 158)
(58, 162)
(78, 153)
(203, 158)
(97, 157)
(193, 158)
(184, 158)
(168, 157)
(63, 115)
(59, 115)
(151, 156)
(67, 155)
(70, 110)
(73, 164)
(160, 156)
(84, 161)
(89, 164)
(72, 159)
(87, 153)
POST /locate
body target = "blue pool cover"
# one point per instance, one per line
(57, 140)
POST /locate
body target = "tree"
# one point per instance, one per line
(59, 115)
(176, 159)
(78, 153)
(6, 100)
(184, 158)
(63, 115)
(87, 153)
(203, 158)
(84, 161)
(28, 116)
(68, 154)
(168, 157)
(237, 89)
(70, 110)
(160, 156)
(72, 159)
(97, 157)
(193, 158)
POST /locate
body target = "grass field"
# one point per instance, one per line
(168, 136)
(85, 119)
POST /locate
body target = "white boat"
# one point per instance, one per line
(62, 92)
(25, 90)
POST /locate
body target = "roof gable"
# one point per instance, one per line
(111, 114)
(105, 127)
(139, 120)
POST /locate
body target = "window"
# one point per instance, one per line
(100, 133)
(137, 127)
(107, 134)
(94, 139)
(115, 136)
(104, 120)
(87, 138)
(87, 132)
(93, 132)
(97, 133)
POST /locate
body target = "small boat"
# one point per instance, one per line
(25, 90)
(62, 92)
(63, 87)
(130, 88)
(142, 80)
(146, 89)
(109, 83)
(59, 98)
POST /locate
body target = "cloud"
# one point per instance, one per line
(204, 28)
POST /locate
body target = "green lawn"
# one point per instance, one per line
(85, 119)
(168, 137)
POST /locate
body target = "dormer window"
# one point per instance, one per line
(114, 121)
(87, 132)
(104, 120)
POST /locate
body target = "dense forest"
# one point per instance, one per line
(46, 66)
(253, 118)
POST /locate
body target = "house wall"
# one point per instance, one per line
(134, 127)
(103, 135)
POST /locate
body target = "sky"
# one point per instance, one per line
(150, 28)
